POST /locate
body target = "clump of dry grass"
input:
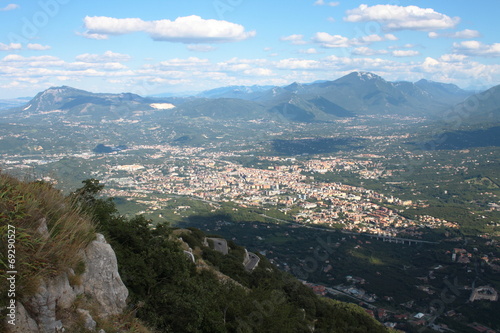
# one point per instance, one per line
(41, 252)
(121, 323)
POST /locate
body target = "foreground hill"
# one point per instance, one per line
(176, 281)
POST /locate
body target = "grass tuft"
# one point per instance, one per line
(41, 252)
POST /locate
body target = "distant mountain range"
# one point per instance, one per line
(77, 102)
(479, 108)
(356, 94)
(13, 102)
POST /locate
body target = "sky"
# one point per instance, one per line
(150, 47)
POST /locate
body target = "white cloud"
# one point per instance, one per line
(110, 66)
(393, 17)
(89, 35)
(107, 56)
(456, 71)
(476, 48)
(10, 6)
(18, 61)
(452, 57)
(298, 64)
(20, 58)
(335, 41)
(259, 72)
(323, 3)
(38, 47)
(405, 53)
(330, 41)
(10, 47)
(201, 48)
(369, 39)
(309, 51)
(188, 63)
(294, 39)
(433, 34)
(189, 29)
(390, 37)
(464, 34)
(366, 51)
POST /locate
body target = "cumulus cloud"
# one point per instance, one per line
(258, 72)
(405, 53)
(203, 73)
(366, 51)
(464, 34)
(89, 35)
(433, 34)
(45, 61)
(476, 48)
(186, 64)
(393, 17)
(189, 29)
(107, 56)
(334, 41)
(453, 57)
(294, 39)
(298, 64)
(390, 37)
(10, 6)
(38, 47)
(10, 47)
(331, 41)
(323, 3)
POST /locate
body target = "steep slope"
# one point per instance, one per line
(473, 123)
(477, 109)
(358, 93)
(184, 284)
(366, 93)
(71, 103)
(61, 274)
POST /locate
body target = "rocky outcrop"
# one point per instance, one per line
(100, 283)
(101, 278)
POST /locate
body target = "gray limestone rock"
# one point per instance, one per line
(88, 322)
(24, 323)
(101, 279)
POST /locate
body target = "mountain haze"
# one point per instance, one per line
(356, 94)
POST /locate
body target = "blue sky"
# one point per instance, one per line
(152, 46)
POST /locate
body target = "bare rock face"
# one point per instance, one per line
(101, 278)
(52, 294)
(101, 283)
(24, 323)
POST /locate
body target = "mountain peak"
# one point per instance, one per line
(360, 77)
(59, 90)
(367, 76)
(293, 87)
